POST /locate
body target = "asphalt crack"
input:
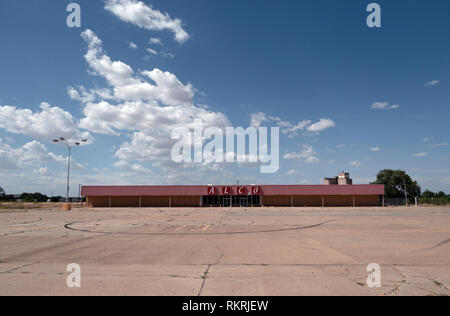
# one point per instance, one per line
(18, 268)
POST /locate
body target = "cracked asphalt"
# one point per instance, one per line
(236, 252)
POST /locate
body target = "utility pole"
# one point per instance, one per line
(68, 174)
(406, 192)
(79, 195)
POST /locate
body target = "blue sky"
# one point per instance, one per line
(385, 89)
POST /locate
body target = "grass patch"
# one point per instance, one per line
(15, 206)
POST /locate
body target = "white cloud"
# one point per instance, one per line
(308, 155)
(322, 125)
(355, 163)
(287, 128)
(155, 41)
(432, 83)
(32, 154)
(418, 155)
(375, 149)
(43, 125)
(132, 168)
(256, 119)
(292, 172)
(439, 145)
(384, 106)
(149, 105)
(80, 93)
(144, 16)
(128, 86)
(133, 45)
(292, 130)
(152, 51)
(116, 73)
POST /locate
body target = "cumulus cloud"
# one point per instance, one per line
(292, 172)
(432, 83)
(144, 16)
(288, 128)
(147, 106)
(43, 125)
(355, 163)
(375, 149)
(152, 51)
(292, 131)
(133, 45)
(307, 154)
(157, 85)
(116, 73)
(256, 119)
(32, 154)
(322, 125)
(155, 41)
(439, 145)
(419, 155)
(80, 93)
(384, 106)
(132, 168)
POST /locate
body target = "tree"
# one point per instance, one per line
(27, 197)
(440, 195)
(36, 197)
(394, 182)
(56, 199)
(428, 194)
(2, 194)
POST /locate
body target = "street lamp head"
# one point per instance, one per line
(84, 140)
(62, 139)
(56, 140)
(78, 144)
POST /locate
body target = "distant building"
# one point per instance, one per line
(342, 179)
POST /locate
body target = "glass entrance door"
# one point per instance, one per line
(244, 201)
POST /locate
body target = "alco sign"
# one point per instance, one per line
(256, 191)
(242, 190)
(238, 191)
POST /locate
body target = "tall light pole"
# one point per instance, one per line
(69, 147)
(406, 192)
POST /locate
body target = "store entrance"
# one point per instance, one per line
(231, 201)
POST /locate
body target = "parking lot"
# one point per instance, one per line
(224, 251)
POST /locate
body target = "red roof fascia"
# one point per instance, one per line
(280, 190)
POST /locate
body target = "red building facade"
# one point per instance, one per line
(234, 196)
